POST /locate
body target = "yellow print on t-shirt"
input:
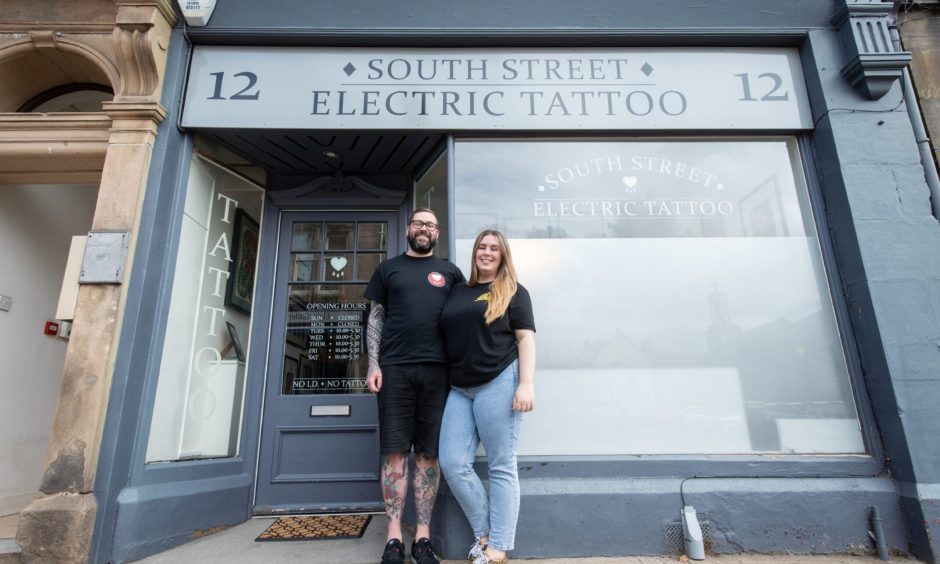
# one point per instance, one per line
(485, 297)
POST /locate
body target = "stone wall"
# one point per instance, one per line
(919, 25)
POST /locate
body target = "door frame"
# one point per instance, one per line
(288, 206)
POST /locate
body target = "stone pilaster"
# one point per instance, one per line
(59, 527)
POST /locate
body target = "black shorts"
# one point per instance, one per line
(411, 405)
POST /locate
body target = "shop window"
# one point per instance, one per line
(680, 297)
(430, 191)
(200, 388)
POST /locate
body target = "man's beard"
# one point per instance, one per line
(418, 247)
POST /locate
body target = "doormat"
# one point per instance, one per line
(316, 527)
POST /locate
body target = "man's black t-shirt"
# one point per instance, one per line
(413, 291)
(479, 352)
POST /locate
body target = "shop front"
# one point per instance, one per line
(687, 204)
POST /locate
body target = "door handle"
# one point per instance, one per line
(329, 410)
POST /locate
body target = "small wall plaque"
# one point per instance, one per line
(105, 253)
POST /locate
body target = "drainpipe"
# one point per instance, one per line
(920, 132)
(878, 532)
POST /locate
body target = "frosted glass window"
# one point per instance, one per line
(680, 298)
(200, 389)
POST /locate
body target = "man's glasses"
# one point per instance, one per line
(429, 225)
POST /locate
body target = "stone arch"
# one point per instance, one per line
(46, 60)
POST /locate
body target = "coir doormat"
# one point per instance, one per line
(316, 527)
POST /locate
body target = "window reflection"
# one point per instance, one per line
(367, 265)
(372, 236)
(305, 267)
(678, 290)
(430, 191)
(340, 236)
(306, 237)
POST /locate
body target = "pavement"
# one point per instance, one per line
(236, 545)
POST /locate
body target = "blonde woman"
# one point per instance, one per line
(489, 334)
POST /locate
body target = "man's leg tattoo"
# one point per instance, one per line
(427, 480)
(395, 484)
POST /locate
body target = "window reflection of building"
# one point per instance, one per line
(722, 330)
(640, 299)
(779, 363)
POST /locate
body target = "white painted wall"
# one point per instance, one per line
(37, 223)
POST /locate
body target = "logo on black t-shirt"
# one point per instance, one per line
(437, 279)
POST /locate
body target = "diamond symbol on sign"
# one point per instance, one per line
(349, 69)
(646, 68)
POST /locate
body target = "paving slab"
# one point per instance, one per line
(236, 545)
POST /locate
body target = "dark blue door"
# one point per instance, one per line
(319, 449)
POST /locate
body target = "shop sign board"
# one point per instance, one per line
(496, 89)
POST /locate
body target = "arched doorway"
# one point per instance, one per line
(53, 141)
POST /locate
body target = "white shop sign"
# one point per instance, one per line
(505, 89)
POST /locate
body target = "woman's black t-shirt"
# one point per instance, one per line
(479, 352)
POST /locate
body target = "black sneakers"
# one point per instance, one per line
(394, 552)
(423, 553)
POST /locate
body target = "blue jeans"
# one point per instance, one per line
(484, 413)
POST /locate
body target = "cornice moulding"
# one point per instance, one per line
(134, 109)
(78, 126)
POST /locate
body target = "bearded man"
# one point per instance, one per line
(408, 371)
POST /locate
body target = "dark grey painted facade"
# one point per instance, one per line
(873, 214)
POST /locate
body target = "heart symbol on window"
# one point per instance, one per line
(629, 181)
(338, 263)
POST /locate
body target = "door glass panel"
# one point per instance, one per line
(372, 236)
(305, 267)
(338, 267)
(324, 350)
(306, 237)
(340, 236)
(325, 346)
(367, 263)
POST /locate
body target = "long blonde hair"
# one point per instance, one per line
(503, 288)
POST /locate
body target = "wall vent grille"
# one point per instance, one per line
(675, 543)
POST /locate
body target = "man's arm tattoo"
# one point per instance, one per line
(374, 333)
